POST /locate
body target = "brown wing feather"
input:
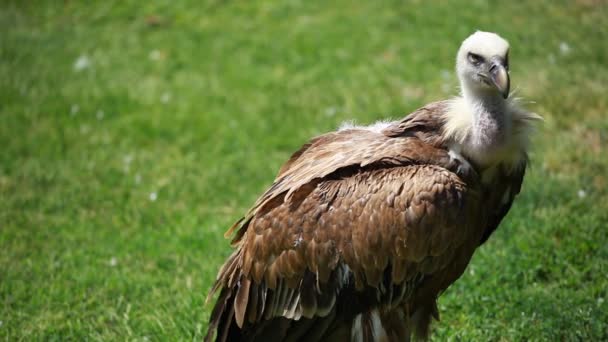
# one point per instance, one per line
(359, 147)
(352, 211)
(404, 220)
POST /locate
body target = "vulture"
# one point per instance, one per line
(364, 227)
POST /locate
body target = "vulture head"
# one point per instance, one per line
(482, 65)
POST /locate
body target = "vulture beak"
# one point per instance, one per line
(499, 75)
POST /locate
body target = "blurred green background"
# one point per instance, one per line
(133, 133)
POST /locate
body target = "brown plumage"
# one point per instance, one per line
(364, 227)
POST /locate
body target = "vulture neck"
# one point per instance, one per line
(480, 124)
(490, 123)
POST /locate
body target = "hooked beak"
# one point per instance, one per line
(499, 76)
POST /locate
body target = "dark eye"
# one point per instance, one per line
(475, 59)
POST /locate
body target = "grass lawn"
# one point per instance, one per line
(133, 134)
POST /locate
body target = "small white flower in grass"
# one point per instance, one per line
(446, 74)
(153, 196)
(330, 111)
(600, 301)
(581, 193)
(82, 62)
(165, 98)
(113, 262)
(74, 109)
(100, 114)
(564, 48)
(127, 159)
(154, 55)
(0, 323)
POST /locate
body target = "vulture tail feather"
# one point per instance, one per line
(222, 319)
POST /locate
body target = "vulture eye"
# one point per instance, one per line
(475, 59)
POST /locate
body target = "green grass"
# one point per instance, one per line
(199, 104)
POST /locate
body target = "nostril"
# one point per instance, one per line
(493, 67)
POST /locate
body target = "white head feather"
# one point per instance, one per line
(486, 45)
